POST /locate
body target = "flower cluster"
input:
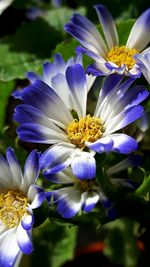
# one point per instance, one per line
(74, 136)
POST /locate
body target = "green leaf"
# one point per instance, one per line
(123, 29)
(67, 48)
(27, 49)
(5, 91)
(57, 18)
(55, 243)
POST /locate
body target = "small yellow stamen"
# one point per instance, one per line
(13, 206)
(122, 55)
(85, 129)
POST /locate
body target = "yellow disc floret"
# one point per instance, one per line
(85, 185)
(122, 55)
(13, 206)
(85, 129)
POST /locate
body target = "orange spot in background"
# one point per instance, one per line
(90, 248)
(140, 246)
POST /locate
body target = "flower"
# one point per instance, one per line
(77, 134)
(18, 196)
(144, 63)
(54, 75)
(109, 57)
(76, 195)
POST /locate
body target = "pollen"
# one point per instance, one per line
(122, 55)
(13, 206)
(85, 129)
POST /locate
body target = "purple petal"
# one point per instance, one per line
(106, 203)
(86, 24)
(86, 33)
(114, 68)
(9, 250)
(123, 143)
(42, 97)
(134, 96)
(33, 76)
(70, 205)
(80, 49)
(84, 166)
(76, 79)
(103, 145)
(126, 117)
(98, 69)
(90, 201)
(27, 220)
(56, 158)
(24, 240)
(36, 195)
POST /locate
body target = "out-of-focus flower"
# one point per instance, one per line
(18, 197)
(108, 55)
(56, 3)
(77, 195)
(67, 123)
(4, 4)
(144, 64)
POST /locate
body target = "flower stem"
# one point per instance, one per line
(143, 188)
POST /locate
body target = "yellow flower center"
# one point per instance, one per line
(85, 185)
(122, 55)
(13, 206)
(85, 129)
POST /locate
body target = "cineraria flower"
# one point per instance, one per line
(54, 75)
(77, 195)
(18, 196)
(77, 134)
(144, 63)
(108, 55)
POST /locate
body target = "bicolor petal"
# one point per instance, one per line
(10, 250)
(139, 35)
(123, 143)
(36, 195)
(84, 166)
(24, 240)
(108, 25)
(91, 200)
(56, 158)
(70, 204)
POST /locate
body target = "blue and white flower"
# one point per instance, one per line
(77, 134)
(82, 195)
(18, 197)
(75, 195)
(54, 76)
(144, 63)
(108, 55)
